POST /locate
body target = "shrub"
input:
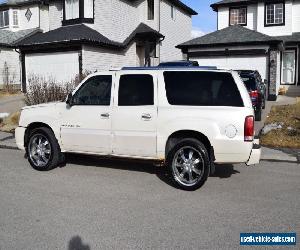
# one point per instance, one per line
(10, 123)
(43, 90)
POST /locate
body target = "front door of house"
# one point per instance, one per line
(288, 67)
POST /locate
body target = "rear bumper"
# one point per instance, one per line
(20, 135)
(255, 153)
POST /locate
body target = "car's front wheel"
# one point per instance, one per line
(189, 164)
(43, 150)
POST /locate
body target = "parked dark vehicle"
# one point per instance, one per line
(257, 90)
(179, 63)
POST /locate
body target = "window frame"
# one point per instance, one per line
(3, 18)
(117, 90)
(81, 18)
(238, 8)
(283, 15)
(170, 103)
(173, 12)
(15, 13)
(85, 82)
(150, 5)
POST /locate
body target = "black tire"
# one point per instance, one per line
(200, 149)
(55, 156)
(264, 103)
(258, 114)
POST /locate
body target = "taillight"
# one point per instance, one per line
(253, 95)
(249, 128)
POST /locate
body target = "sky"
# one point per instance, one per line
(206, 20)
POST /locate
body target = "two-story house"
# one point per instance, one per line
(253, 34)
(74, 36)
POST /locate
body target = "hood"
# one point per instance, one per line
(42, 105)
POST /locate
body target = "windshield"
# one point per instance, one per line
(249, 81)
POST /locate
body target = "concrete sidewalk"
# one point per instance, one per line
(10, 104)
(7, 140)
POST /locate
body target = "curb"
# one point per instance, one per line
(9, 147)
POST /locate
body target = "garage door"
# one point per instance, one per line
(62, 66)
(237, 62)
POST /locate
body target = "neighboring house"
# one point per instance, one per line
(92, 35)
(12, 30)
(253, 34)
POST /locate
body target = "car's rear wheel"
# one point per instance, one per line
(42, 149)
(188, 164)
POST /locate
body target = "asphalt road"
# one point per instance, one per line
(93, 203)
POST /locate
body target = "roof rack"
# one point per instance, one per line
(169, 67)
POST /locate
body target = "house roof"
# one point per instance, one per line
(7, 3)
(9, 38)
(177, 3)
(233, 35)
(84, 34)
(216, 5)
(294, 38)
(184, 7)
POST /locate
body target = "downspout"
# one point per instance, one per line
(159, 43)
(22, 78)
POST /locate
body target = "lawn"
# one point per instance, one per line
(288, 136)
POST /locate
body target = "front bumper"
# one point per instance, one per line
(255, 153)
(20, 136)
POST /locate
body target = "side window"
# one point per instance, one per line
(95, 91)
(136, 90)
(201, 89)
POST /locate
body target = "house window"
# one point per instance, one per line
(4, 19)
(15, 18)
(72, 9)
(238, 16)
(172, 12)
(274, 14)
(78, 11)
(150, 9)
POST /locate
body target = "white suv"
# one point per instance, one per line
(187, 118)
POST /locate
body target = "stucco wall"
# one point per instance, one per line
(12, 59)
(101, 59)
(176, 31)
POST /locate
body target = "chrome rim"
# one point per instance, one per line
(39, 150)
(188, 166)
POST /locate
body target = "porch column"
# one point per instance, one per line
(272, 74)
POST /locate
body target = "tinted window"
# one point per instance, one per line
(249, 81)
(95, 91)
(135, 90)
(202, 89)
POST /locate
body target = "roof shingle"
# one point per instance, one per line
(84, 34)
(231, 35)
(9, 38)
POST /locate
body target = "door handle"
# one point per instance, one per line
(105, 115)
(146, 116)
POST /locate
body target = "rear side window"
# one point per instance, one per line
(249, 81)
(201, 89)
(136, 90)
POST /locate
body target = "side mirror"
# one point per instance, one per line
(69, 100)
(265, 81)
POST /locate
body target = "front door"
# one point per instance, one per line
(135, 115)
(86, 124)
(288, 73)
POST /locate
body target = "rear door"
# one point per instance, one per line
(135, 115)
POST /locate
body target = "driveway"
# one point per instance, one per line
(103, 204)
(10, 104)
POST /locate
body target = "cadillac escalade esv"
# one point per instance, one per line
(188, 118)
